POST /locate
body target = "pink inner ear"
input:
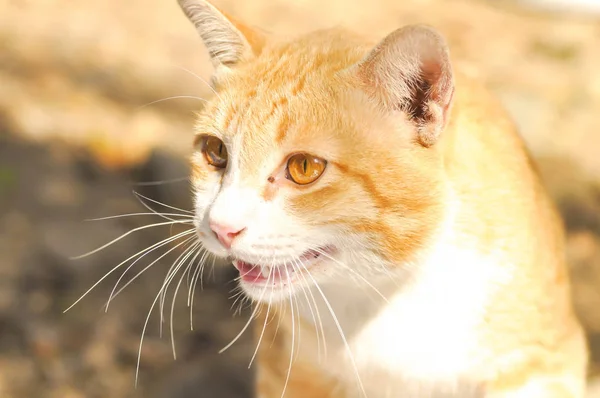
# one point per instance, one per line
(410, 70)
(438, 74)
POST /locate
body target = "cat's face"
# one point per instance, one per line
(299, 177)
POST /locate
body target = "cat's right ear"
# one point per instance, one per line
(227, 40)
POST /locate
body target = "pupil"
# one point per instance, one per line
(304, 165)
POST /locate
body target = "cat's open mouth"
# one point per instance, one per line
(282, 272)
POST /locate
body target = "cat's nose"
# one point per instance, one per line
(225, 233)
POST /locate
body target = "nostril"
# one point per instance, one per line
(224, 233)
(232, 235)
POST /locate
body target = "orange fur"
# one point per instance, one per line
(427, 176)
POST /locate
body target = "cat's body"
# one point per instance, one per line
(413, 225)
(487, 303)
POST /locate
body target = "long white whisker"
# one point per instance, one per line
(125, 235)
(277, 327)
(289, 371)
(341, 332)
(170, 98)
(114, 269)
(240, 300)
(192, 274)
(199, 269)
(355, 273)
(201, 79)
(173, 303)
(236, 338)
(385, 271)
(194, 282)
(162, 204)
(317, 321)
(174, 268)
(146, 268)
(164, 242)
(137, 368)
(151, 183)
(262, 332)
(295, 303)
(190, 218)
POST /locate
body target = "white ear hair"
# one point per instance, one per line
(228, 41)
(410, 71)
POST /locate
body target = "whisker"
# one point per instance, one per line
(170, 98)
(127, 234)
(355, 273)
(289, 371)
(195, 282)
(160, 182)
(237, 296)
(175, 298)
(174, 269)
(262, 332)
(137, 368)
(191, 274)
(202, 80)
(115, 268)
(341, 332)
(320, 323)
(162, 204)
(165, 242)
(199, 268)
(295, 303)
(212, 269)
(163, 290)
(160, 214)
(129, 282)
(387, 272)
(236, 338)
(277, 327)
(141, 214)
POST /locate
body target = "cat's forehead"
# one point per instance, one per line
(287, 100)
(261, 125)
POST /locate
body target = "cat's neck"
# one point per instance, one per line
(448, 287)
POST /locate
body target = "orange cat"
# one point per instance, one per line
(385, 218)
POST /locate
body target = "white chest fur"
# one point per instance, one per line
(425, 336)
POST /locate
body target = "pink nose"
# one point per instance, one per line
(225, 233)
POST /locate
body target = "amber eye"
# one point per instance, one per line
(214, 151)
(303, 168)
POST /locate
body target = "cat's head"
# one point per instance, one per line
(316, 158)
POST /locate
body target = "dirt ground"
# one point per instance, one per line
(77, 136)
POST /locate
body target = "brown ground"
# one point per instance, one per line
(73, 141)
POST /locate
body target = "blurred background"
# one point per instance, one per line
(79, 132)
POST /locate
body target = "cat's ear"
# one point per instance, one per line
(410, 71)
(228, 41)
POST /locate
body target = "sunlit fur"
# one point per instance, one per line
(447, 276)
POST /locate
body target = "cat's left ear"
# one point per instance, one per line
(410, 71)
(228, 41)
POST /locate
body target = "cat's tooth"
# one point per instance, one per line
(264, 271)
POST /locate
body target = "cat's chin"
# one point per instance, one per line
(274, 282)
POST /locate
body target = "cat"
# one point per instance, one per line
(385, 217)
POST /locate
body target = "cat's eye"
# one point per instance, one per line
(214, 151)
(303, 168)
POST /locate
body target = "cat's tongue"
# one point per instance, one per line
(253, 273)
